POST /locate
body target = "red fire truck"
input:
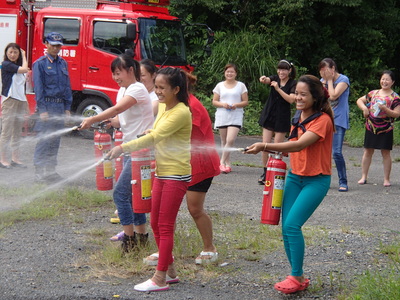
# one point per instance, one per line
(95, 32)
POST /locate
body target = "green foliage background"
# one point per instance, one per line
(362, 36)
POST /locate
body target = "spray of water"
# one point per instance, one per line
(64, 181)
(202, 148)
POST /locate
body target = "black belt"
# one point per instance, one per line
(54, 100)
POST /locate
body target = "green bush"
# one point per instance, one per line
(254, 54)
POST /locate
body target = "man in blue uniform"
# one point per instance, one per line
(53, 103)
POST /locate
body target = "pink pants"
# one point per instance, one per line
(167, 196)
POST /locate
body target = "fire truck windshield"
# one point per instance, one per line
(162, 41)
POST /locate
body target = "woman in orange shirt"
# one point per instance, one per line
(309, 178)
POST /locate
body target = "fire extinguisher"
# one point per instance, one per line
(273, 190)
(153, 167)
(141, 180)
(104, 170)
(119, 160)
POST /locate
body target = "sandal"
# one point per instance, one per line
(291, 285)
(261, 180)
(151, 260)
(304, 284)
(118, 237)
(343, 188)
(18, 165)
(210, 257)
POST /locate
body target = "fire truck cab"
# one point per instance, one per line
(94, 32)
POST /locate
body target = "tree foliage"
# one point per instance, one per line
(362, 36)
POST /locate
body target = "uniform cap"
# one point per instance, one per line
(54, 38)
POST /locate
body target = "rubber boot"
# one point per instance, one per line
(51, 175)
(129, 243)
(40, 175)
(143, 239)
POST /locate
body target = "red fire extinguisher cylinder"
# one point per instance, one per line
(273, 190)
(141, 180)
(104, 172)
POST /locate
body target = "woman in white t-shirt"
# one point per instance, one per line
(148, 74)
(13, 103)
(133, 113)
(230, 96)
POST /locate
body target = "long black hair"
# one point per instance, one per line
(16, 46)
(176, 77)
(319, 94)
(125, 62)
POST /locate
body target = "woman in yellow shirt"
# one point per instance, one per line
(171, 138)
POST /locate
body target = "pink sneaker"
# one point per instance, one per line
(171, 280)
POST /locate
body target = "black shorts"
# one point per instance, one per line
(201, 186)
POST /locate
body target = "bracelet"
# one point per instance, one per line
(265, 147)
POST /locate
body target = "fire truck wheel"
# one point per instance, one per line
(90, 107)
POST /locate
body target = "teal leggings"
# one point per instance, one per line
(302, 196)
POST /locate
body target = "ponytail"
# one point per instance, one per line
(125, 62)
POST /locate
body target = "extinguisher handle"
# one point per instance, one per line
(278, 153)
(104, 123)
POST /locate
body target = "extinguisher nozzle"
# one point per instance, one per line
(100, 162)
(76, 127)
(242, 149)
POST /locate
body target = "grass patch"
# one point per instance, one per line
(383, 285)
(236, 236)
(378, 285)
(50, 204)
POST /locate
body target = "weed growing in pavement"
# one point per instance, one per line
(345, 228)
(393, 252)
(239, 163)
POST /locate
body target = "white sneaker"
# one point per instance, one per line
(150, 286)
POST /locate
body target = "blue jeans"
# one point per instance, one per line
(337, 145)
(302, 196)
(123, 197)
